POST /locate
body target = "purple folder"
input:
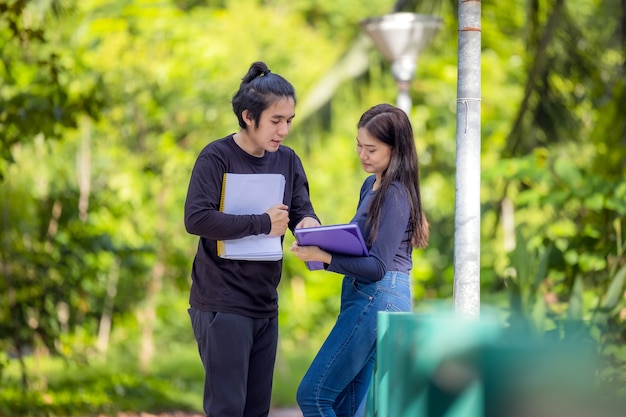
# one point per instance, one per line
(345, 239)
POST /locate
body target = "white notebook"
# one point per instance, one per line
(251, 194)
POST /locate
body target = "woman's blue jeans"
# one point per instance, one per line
(337, 381)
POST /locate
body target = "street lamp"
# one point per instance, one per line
(400, 37)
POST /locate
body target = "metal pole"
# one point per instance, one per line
(467, 202)
(403, 70)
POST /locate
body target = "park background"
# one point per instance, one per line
(104, 106)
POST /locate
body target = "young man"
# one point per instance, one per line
(234, 304)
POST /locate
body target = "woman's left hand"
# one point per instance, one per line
(310, 253)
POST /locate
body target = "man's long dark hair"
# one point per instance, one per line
(391, 125)
(259, 89)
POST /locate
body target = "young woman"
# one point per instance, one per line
(391, 218)
(234, 303)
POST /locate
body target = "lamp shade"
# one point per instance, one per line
(401, 35)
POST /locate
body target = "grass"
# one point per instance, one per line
(92, 385)
(107, 386)
(102, 387)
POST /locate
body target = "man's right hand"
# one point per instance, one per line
(280, 219)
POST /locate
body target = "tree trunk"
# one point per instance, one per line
(147, 314)
(106, 319)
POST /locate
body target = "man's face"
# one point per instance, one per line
(274, 125)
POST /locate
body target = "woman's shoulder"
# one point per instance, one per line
(396, 188)
(397, 185)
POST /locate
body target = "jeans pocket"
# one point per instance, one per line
(366, 290)
(398, 305)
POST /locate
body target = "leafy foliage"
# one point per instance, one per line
(105, 105)
(35, 96)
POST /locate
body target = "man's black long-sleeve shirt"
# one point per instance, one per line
(242, 287)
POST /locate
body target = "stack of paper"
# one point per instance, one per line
(251, 194)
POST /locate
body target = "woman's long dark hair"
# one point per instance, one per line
(259, 89)
(391, 125)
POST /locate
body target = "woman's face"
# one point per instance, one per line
(374, 153)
